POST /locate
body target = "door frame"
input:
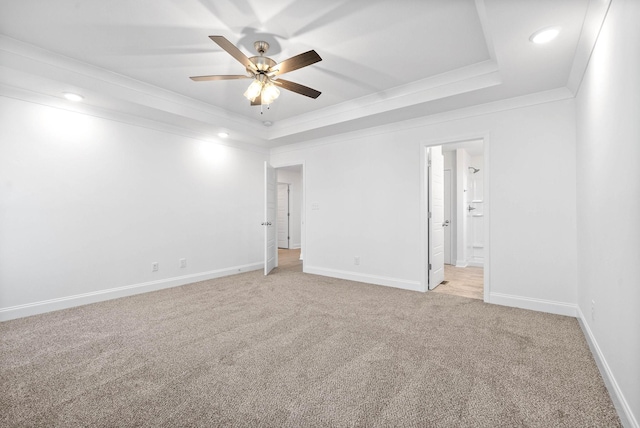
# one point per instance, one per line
(424, 226)
(304, 247)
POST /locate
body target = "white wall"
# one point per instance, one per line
(293, 177)
(87, 204)
(363, 199)
(608, 180)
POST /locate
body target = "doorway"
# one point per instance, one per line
(464, 223)
(290, 221)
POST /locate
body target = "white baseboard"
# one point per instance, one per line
(624, 411)
(295, 246)
(461, 263)
(369, 279)
(44, 306)
(475, 263)
(540, 305)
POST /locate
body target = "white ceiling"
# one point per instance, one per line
(382, 61)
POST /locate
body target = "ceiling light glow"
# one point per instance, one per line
(270, 93)
(253, 90)
(73, 97)
(545, 35)
(223, 134)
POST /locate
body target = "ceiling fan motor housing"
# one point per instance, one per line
(262, 63)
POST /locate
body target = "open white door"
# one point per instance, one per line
(436, 217)
(270, 195)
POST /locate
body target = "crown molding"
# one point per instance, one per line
(514, 103)
(120, 116)
(33, 69)
(466, 79)
(593, 21)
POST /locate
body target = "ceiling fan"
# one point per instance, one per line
(264, 71)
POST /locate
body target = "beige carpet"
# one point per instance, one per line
(298, 350)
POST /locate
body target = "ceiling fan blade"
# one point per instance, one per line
(296, 62)
(233, 51)
(218, 77)
(257, 101)
(297, 88)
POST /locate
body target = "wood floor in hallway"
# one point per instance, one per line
(465, 282)
(289, 259)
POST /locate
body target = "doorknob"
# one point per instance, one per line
(471, 208)
(266, 223)
(446, 223)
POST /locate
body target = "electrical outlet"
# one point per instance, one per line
(356, 260)
(593, 310)
(183, 263)
(155, 266)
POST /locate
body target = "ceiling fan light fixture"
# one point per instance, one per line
(262, 69)
(253, 90)
(270, 93)
(545, 35)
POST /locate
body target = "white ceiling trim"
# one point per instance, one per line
(122, 117)
(33, 61)
(465, 79)
(484, 23)
(39, 75)
(459, 114)
(593, 21)
(28, 67)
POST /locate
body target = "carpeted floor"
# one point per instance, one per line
(298, 350)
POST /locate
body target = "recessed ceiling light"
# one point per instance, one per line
(267, 123)
(73, 97)
(545, 35)
(223, 134)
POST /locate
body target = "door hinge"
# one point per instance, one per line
(429, 214)
(429, 266)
